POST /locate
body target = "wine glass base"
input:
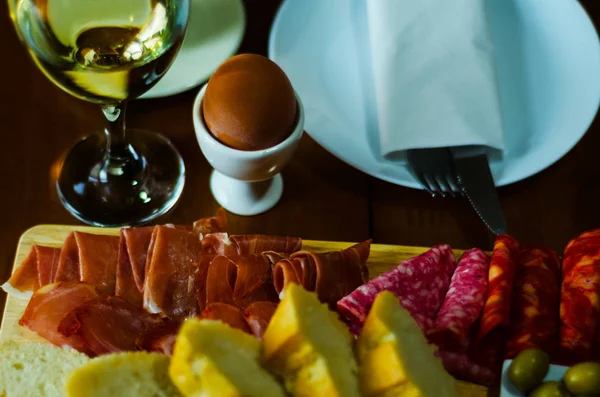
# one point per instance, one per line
(245, 198)
(121, 200)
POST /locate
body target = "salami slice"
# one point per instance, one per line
(463, 303)
(462, 367)
(494, 322)
(534, 320)
(580, 298)
(420, 283)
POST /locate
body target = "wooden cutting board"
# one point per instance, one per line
(382, 259)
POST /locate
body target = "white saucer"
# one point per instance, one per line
(548, 62)
(215, 31)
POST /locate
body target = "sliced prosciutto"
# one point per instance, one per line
(215, 224)
(200, 277)
(47, 263)
(240, 280)
(420, 283)
(580, 298)
(68, 263)
(50, 304)
(229, 314)
(108, 324)
(170, 273)
(131, 264)
(25, 279)
(220, 281)
(258, 315)
(256, 243)
(536, 299)
(91, 258)
(463, 303)
(224, 244)
(160, 338)
(495, 319)
(35, 271)
(332, 275)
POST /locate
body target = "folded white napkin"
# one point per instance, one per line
(434, 77)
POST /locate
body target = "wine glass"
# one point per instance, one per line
(108, 52)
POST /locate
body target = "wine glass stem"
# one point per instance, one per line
(121, 159)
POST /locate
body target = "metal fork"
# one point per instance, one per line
(434, 169)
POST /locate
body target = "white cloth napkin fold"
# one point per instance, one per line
(434, 77)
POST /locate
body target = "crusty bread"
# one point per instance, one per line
(394, 356)
(211, 358)
(36, 369)
(139, 374)
(309, 347)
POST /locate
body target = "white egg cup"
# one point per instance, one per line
(245, 182)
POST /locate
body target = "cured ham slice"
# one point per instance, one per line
(420, 283)
(133, 250)
(68, 263)
(256, 244)
(50, 304)
(47, 263)
(108, 324)
(25, 279)
(220, 281)
(240, 280)
(253, 281)
(223, 244)
(91, 258)
(536, 299)
(228, 314)
(170, 273)
(580, 298)
(215, 224)
(463, 303)
(258, 315)
(160, 337)
(200, 277)
(332, 275)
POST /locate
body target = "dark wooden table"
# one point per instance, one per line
(324, 198)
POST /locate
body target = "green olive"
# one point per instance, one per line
(528, 369)
(583, 379)
(550, 389)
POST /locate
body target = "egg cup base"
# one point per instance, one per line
(246, 198)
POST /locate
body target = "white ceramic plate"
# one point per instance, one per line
(507, 389)
(548, 63)
(215, 31)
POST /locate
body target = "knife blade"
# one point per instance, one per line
(474, 175)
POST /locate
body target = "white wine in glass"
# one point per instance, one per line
(108, 52)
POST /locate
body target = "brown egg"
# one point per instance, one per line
(249, 103)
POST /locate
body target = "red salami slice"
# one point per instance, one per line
(534, 323)
(580, 298)
(462, 367)
(491, 335)
(420, 283)
(463, 303)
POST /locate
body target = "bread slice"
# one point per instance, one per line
(139, 374)
(211, 358)
(307, 345)
(36, 369)
(394, 356)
